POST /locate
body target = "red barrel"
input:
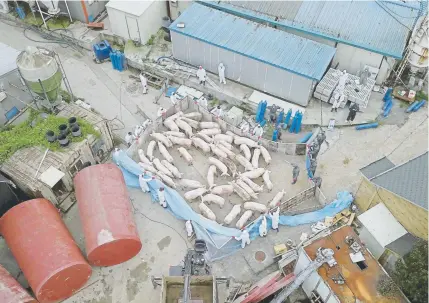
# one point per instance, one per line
(105, 211)
(44, 250)
(11, 291)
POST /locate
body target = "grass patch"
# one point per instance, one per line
(151, 40)
(54, 23)
(346, 161)
(23, 135)
(403, 104)
(421, 95)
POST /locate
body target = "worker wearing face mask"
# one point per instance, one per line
(221, 70)
(275, 219)
(263, 227)
(244, 237)
(201, 75)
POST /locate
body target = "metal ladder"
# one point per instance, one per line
(403, 64)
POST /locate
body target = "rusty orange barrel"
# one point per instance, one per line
(11, 291)
(44, 250)
(105, 211)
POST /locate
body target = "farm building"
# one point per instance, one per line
(403, 189)
(270, 60)
(364, 33)
(136, 20)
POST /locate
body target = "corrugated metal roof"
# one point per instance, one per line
(371, 25)
(408, 180)
(403, 245)
(266, 44)
(377, 167)
(136, 8)
(8, 57)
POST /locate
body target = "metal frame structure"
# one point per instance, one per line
(49, 16)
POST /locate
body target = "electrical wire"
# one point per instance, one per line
(393, 12)
(397, 20)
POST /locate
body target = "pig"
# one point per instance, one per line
(194, 116)
(256, 207)
(148, 167)
(207, 212)
(210, 131)
(277, 199)
(180, 141)
(200, 143)
(243, 161)
(256, 188)
(210, 176)
(267, 180)
(255, 158)
(265, 154)
(228, 152)
(218, 152)
(222, 167)
(253, 174)
(171, 125)
(222, 190)
(150, 149)
(225, 144)
(235, 211)
(161, 167)
(185, 127)
(164, 152)
(243, 219)
(193, 194)
(162, 138)
(246, 151)
(194, 124)
(230, 133)
(240, 191)
(215, 199)
(187, 183)
(206, 138)
(143, 158)
(172, 168)
(209, 125)
(184, 153)
(247, 188)
(166, 179)
(174, 134)
(243, 140)
(222, 137)
(175, 116)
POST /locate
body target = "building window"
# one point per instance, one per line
(362, 265)
(315, 297)
(59, 189)
(77, 166)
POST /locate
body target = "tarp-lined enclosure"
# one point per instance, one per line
(270, 60)
(105, 211)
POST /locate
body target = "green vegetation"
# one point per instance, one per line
(54, 23)
(421, 95)
(66, 96)
(23, 135)
(411, 274)
(151, 40)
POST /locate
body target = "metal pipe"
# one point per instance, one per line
(44, 92)
(85, 12)
(41, 14)
(65, 1)
(40, 165)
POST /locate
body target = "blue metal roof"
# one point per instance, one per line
(295, 54)
(377, 26)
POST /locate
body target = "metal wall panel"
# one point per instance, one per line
(261, 76)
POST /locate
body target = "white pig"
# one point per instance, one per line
(215, 199)
(187, 183)
(180, 141)
(225, 144)
(243, 219)
(222, 167)
(210, 131)
(162, 138)
(207, 212)
(206, 138)
(166, 179)
(164, 152)
(200, 143)
(174, 134)
(222, 137)
(175, 116)
(209, 125)
(222, 190)
(247, 188)
(243, 161)
(172, 168)
(150, 149)
(143, 158)
(194, 116)
(253, 174)
(187, 156)
(256, 207)
(246, 151)
(265, 154)
(210, 176)
(235, 211)
(277, 199)
(194, 124)
(218, 152)
(230, 133)
(267, 180)
(161, 167)
(228, 152)
(171, 125)
(243, 140)
(256, 188)
(240, 191)
(148, 167)
(193, 194)
(255, 158)
(185, 126)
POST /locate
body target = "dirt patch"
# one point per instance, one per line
(140, 273)
(132, 289)
(165, 242)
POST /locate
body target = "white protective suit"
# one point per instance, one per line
(161, 112)
(143, 183)
(189, 228)
(217, 112)
(221, 70)
(138, 130)
(244, 237)
(202, 102)
(161, 197)
(201, 75)
(338, 98)
(143, 80)
(263, 227)
(258, 131)
(129, 138)
(173, 99)
(116, 153)
(245, 127)
(275, 218)
(342, 81)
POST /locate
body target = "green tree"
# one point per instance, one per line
(411, 274)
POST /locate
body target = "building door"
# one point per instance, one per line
(133, 28)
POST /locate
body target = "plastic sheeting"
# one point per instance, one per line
(219, 238)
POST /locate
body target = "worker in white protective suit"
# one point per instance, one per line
(275, 215)
(161, 112)
(143, 80)
(221, 70)
(244, 237)
(217, 112)
(173, 99)
(342, 81)
(263, 227)
(245, 128)
(143, 182)
(338, 98)
(189, 228)
(129, 138)
(202, 102)
(116, 154)
(137, 130)
(258, 131)
(161, 197)
(201, 75)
